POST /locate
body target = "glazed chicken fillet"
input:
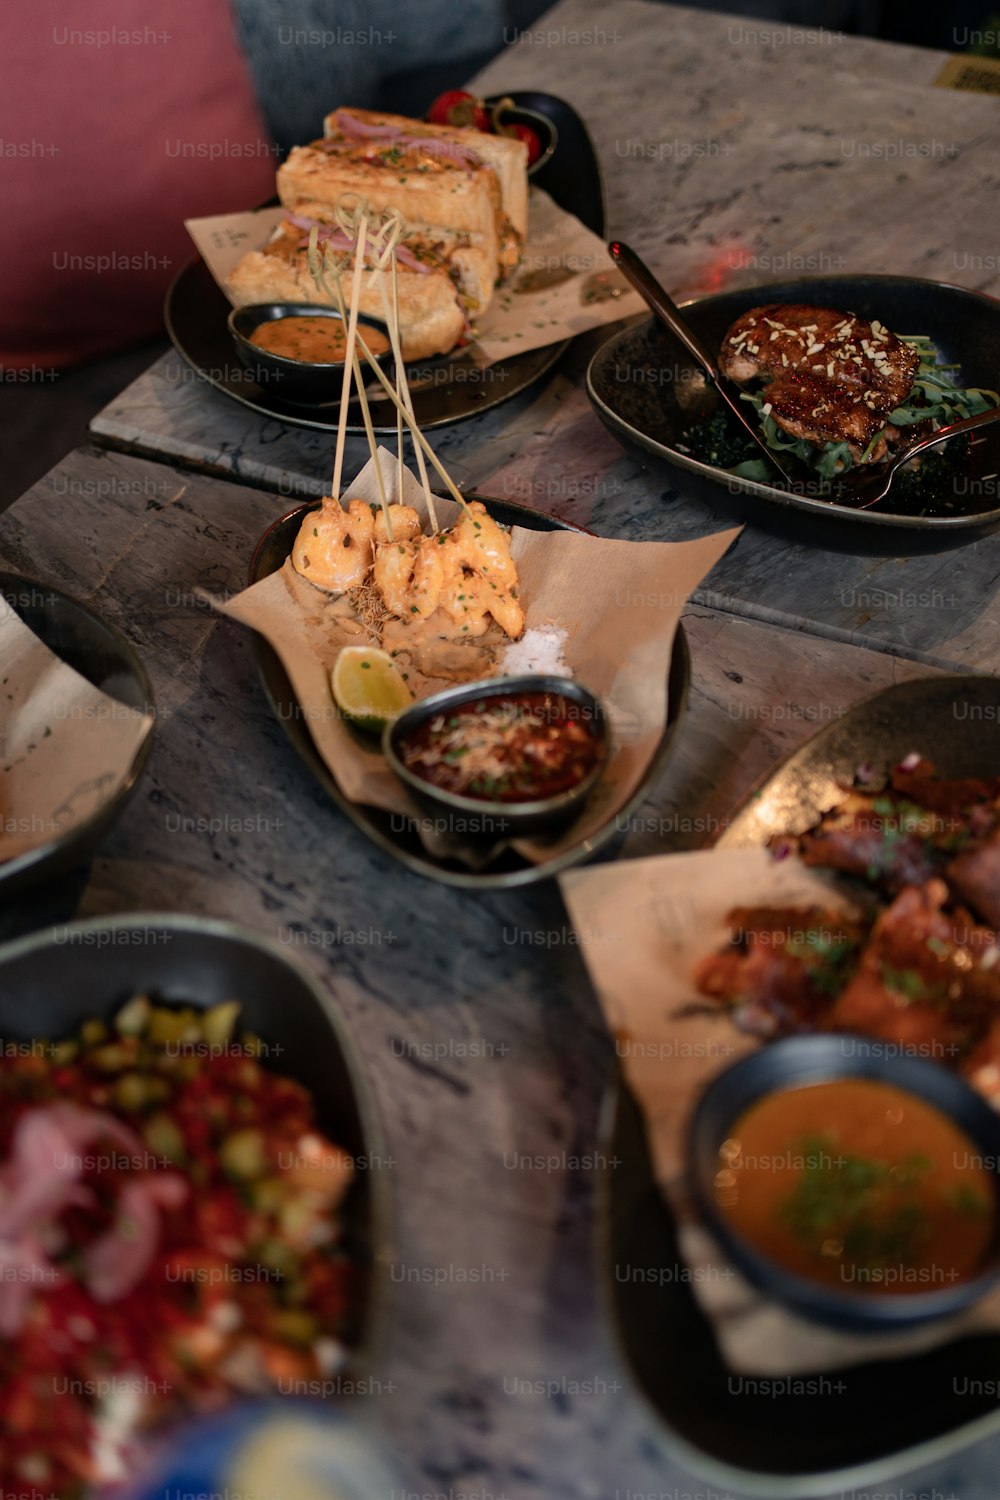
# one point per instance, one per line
(831, 377)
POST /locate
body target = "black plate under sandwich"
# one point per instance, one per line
(196, 311)
(53, 981)
(642, 386)
(890, 1415)
(384, 828)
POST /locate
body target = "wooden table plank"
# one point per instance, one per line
(473, 1014)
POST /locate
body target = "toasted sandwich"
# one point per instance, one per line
(463, 195)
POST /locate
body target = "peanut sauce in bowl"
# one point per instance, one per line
(296, 351)
(521, 752)
(313, 338)
(859, 1185)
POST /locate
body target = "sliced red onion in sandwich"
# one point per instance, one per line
(338, 240)
(361, 130)
(356, 129)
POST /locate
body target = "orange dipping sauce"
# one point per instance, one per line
(859, 1186)
(313, 339)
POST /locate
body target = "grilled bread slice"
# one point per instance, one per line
(505, 154)
(446, 194)
(431, 316)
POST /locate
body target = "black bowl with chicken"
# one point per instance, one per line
(644, 388)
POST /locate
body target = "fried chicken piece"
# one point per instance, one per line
(975, 875)
(782, 967)
(831, 376)
(921, 981)
(881, 838)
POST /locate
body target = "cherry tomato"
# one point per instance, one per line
(527, 135)
(456, 107)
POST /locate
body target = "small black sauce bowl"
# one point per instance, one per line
(92, 647)
(805, 1060)
(298, 380)
(544, 128)
(477, 816)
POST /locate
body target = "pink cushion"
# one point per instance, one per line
(118, 120)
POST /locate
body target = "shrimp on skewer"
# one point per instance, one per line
(480, 575)
(334, 546)
(406, 524)
(467, 572)
(410, 575)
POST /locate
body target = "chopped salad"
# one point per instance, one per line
(169, 1237)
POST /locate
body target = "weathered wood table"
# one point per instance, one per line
(724, 157)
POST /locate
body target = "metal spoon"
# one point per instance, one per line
(659, 301)
(866, 484)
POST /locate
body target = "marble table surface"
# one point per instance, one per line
(759, 152)
(472, 1013)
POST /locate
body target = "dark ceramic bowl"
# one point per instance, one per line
(95, 649)
(544, 127)
(53, 981)
(818, 1059)
(643, 386)
(477, 815)
(297, 380)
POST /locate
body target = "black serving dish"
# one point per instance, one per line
(953, 720)
(886, 1415)
(643, 386)
(302, 381)
(449, 389)
(544, 125)
(798, 1061)
(52, 981)
(397, 836)
(495, 819)
(99, 653)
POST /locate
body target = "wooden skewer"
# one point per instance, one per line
(411, 422)
(352, 333)
(405, 402)
(317, 267)
(420, 442)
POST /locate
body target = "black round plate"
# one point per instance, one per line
(445, 390)
(95, 649)
(641, 378)
(383, 828)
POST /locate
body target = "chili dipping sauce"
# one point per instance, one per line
(521, 747)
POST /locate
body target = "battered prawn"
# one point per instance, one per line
(334, 546)
(467, 572)
(480, 575)
(406, 524)
(410, 575)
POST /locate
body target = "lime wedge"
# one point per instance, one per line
(368, 687)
